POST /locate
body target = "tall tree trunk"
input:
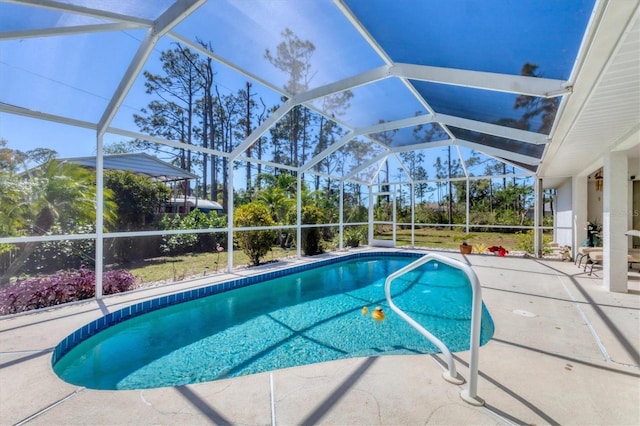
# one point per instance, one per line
(490, 195)
(504, 178)
(225, 167)
(189, 128)
(205, 144)
(259, 145)
(247, 133)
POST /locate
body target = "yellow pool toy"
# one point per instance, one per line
(377, 314)
(365, 310)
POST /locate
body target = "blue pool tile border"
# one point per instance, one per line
(137, 309)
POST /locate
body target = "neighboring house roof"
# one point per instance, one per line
(137, 163)
(200, 203)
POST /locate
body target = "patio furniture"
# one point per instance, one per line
(633, 257)
(596, 257)
(583, 252)
(593, 257)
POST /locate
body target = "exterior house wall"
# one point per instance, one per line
(563, 217)
(633, 218)
(594, 202)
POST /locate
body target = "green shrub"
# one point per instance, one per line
(311, 237)
(137, 197)
(255, 244)
(184, 243)
(354, 235)
(51, 256)
(525, 242)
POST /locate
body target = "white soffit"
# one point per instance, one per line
(604, 109)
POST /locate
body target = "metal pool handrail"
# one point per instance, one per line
(470, 394)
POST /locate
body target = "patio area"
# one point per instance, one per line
(565, 351)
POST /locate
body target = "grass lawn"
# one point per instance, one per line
(450, 239)
(178, 268)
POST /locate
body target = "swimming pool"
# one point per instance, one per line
(304, 316)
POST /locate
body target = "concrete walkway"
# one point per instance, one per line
(565, 352)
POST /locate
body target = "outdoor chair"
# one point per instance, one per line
(584, 252)
(633, 257)
(593, 257)
(596, 257)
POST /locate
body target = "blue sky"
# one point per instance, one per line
(75, 75)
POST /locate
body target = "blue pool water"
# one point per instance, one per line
(303, 318)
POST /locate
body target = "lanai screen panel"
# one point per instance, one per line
(58, 73)
(531, 38)
(492, 36)
(243, 31)
(527, 149)
(140, 10)
(385, 100)
(72, 55)
(408, 136)
(357, 154)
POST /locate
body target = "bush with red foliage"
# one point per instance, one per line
(66, 286)
(500, 251)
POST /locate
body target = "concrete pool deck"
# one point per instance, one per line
(565, 351)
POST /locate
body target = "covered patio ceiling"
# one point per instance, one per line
(543, 86)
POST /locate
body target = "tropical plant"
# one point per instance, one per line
(196, 219)
(137, 197)
(57, 194)
(480, 248)
(255, 243)
(525, 242)
(278, 202)
(464, 238)
(311, 236)
(51, 256)
(354, 235)
(66, 286)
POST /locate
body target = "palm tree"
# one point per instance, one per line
(277, 201)
(285, 181)
(12, 217)
(55, 193)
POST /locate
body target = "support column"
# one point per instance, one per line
(230, 213)
(537, 217)
(370, 218)
(299, 216)
(393, 212)
(413, 214)
(99, 265)
(466, 213)
(579, 207)
(614, 217)
(341, 217)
